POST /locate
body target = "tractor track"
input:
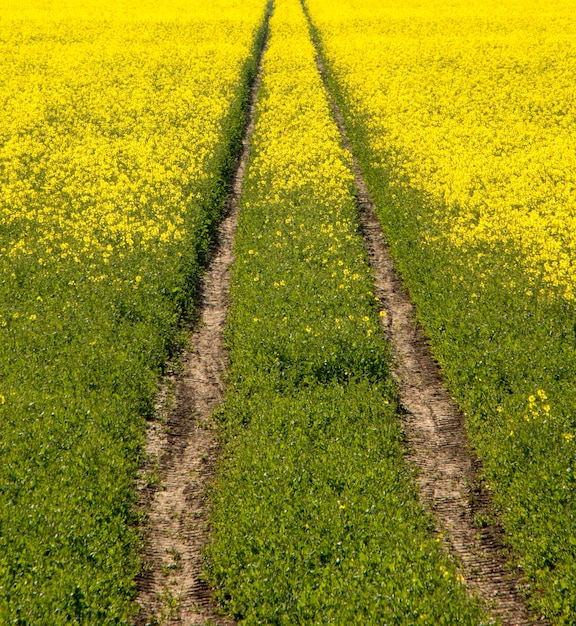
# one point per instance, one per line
(436, 439)
(182, 446)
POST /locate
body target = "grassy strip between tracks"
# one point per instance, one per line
(93, 293)
(505, 338)
(316, 517)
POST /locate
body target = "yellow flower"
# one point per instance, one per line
(489, 138)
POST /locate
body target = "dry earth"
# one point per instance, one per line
(182, 447)
(434, 428)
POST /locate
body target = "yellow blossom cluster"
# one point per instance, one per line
(473, 104)
(109, 125)
(198, 11)
(290, 158)
(537, 407)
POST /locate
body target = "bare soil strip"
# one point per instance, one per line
(182, 446)
(434, 429)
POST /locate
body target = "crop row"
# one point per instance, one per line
(316, 516)
(462, 118)
(116, 139)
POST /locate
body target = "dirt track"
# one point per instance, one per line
(182, 444)
(434, 429)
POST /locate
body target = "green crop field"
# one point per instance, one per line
(120, 131)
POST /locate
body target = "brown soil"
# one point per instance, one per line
(434, 429)
(437, 444)
(182, 447)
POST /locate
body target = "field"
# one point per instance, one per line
(120, 129)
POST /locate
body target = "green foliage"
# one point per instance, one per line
(317, 518)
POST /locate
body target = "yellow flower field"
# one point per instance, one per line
(474, 104)
(119, 126)
(108, 129)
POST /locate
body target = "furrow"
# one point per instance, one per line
(171, 587)
(437, 443)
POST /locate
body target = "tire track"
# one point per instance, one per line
(434, 428)
(182, 446)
